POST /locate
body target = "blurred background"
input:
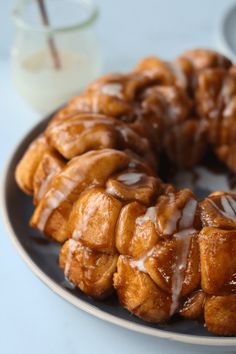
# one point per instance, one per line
(121, 34)
(33, 319)
(130, 29)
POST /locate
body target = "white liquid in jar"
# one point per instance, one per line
(45, 87)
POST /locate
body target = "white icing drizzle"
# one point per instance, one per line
(180, 266)
(150, 215)
(150, 73)
(90, 123)
(229, 109)
(228, 205)
(188, 214)
(72, 244)
(178, 72)
(232, 202)
(226, 91)
(171, 197)
(173, 111)
(133, 163)
(82, 226)
(186, 232)
(70, 142)
(130, 178)
(128, 133)
(53, 199)
(185, 217)
(170, 227)
(86, 122)
(95, 102)
(113, 89)
(140, 263)
(46, 181)
(113, 191)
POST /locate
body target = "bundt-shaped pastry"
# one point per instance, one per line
(93, 174)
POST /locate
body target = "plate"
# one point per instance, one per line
(41, 255)
(227, 32)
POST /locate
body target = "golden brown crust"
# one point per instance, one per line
(177, 72)
(90, 271)
(93, 178)
(126, 226)
(185, 144)
(193, 306)
(93, 220)
(220, 315)
(49, 166)
(139, 294)
(218, 209)
(85, 132)
(112, 95)
(162, 264)
(131, 185)
(155, 67)
(92, 168)
(177, 211)
(218, 263)
(206, 58)
(28, 164)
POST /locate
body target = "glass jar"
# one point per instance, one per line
(55, 53)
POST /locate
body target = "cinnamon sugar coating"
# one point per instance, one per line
(93, 174)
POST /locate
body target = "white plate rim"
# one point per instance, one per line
(89, 308)
(222, 37)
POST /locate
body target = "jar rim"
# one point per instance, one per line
(49, 29)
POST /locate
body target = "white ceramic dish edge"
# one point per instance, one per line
(222, 41)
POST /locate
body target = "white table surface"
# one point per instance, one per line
(33, 320)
